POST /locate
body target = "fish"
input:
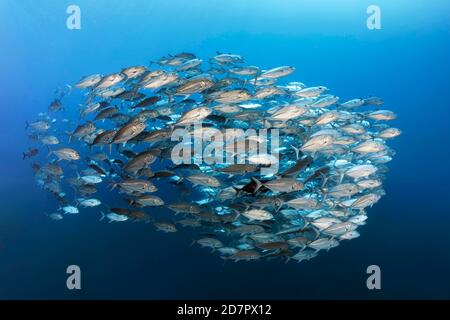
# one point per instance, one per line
(257, 214)
(280, 185)
(381, 115)
(361, 171)
(114, 217)
(245, 255)
(40, 125)
(89, 202)
(255, 164)
(277, 72)
(140, 161)
(128, 132)
(317, 143)
(353, 103)
(89, 81)
(194, 86)
(232, 96)
(194, 115)
(204, 180)
(310, 92)
(49, 140)
(135, 185)
(147, 102)
(148, 200)
(70, 210)
(31, 152)
(288, 112)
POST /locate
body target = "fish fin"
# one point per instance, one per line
(180, 180)
(296, 150)
(279, 207)
(113, 185)
(258, 184)
(341, 177)
(70, 137)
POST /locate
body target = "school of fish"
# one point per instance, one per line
(113, 154)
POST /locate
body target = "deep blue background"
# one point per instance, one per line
(406, 63)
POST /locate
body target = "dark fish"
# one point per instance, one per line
(31, 152)
(128, 153)
(299, 165)
(252, 187)
(106, 113)
(55, 105)
(97, 168)
(186, 166)
(164, 174)
(130, 96)
(147, 102)
(319, 173)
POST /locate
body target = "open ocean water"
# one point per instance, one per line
(406, 63)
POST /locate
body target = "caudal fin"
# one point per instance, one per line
(258, 184)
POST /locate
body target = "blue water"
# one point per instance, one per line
(406, 63)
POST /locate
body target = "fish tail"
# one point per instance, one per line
(27, 125)
(224, 259)
(258, 184)
(181, 179)
(238, 191)
(297, 151)
(24, 155)
(102, 216)
(279, 207)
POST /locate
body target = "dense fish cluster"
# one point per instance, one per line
(301, 187)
